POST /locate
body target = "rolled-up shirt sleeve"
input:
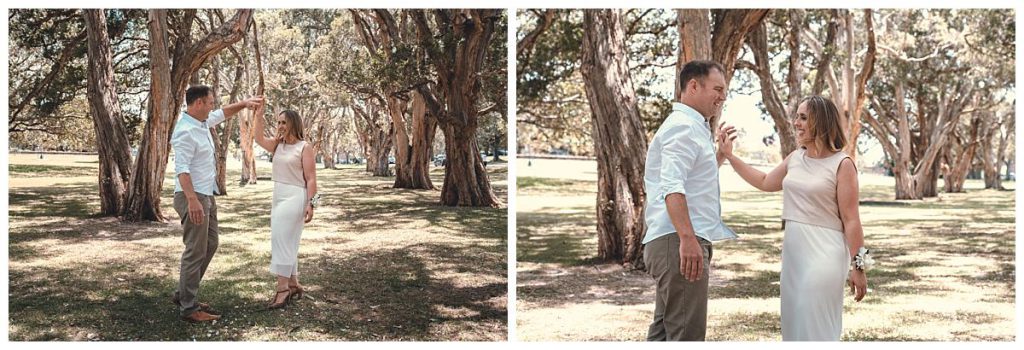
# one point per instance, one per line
(678, 156)
(184, 149)
(215, 117)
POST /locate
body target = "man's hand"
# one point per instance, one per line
(691, 258)
(253, 102)
(309, 213)
(858, 284)
(260, 107)
(195, 211)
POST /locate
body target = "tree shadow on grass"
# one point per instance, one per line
(452, 290)
(384, 294)
(558, 236)
(59, 200)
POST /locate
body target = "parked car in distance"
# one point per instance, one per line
(440, 160)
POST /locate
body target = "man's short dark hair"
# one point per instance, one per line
(194, 93)
(697, 69)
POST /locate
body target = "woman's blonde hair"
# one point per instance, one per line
(824, 124)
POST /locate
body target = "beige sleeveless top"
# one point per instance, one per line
(809, 190)
(288, 164)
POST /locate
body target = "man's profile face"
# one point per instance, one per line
(206, 104)
(710, 93)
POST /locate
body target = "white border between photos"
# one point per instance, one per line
(512, 342)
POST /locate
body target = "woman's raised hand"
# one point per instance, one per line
(726, 135)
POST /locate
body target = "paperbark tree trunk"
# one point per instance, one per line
(377, 138)
(949, 110)
(960, 162)
(424, 129)
(899, 153)
(111, 136)
(411, 168)
(167, 87)
(464, 37)
(619, 139)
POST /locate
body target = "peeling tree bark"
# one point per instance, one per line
(464, 36)
(111, 136)
(619, 139)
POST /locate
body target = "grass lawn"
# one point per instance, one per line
(378, 263)
(944, 268)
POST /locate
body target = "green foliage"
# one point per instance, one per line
(554, 113)
(52, 118)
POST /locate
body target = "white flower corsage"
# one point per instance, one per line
(315, 201)
(863, 261)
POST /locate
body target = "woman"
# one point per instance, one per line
(295, 197)
(821, 222)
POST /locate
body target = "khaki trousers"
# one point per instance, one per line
(200, 244)
(681, 306)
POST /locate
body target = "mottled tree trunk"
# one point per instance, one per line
(380, 147)
(465, 176)
(246, 140)
(147, 178)
(992, 155)
(167, 89)
(423, 129)
(899, 153)
(464, 36)
(855, 86)
(376, 138)
(111, 136)
(949, 111)
(396, 110)
(796, 75)
(960, 162)
(619, 139)
(221, 134)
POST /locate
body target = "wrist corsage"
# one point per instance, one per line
(315, 201)
(863, 261)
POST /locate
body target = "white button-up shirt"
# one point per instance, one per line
(681, 159)
(194, 153)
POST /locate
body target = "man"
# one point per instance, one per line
(683, 210)
(194, 186)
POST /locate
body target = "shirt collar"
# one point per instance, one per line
(192, 120)
(689, 112)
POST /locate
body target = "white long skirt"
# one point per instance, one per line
(286, 220)
(815, 262)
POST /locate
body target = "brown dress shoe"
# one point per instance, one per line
(200, 316)
(202, 306)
